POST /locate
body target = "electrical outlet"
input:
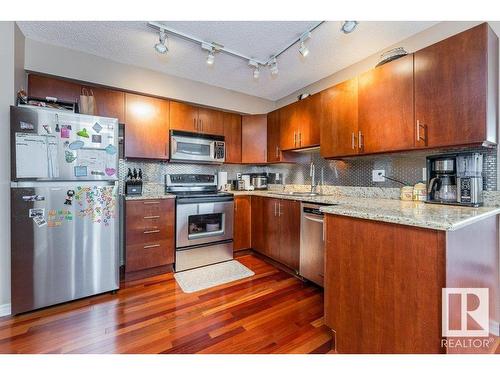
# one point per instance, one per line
(424, 174)
(378, 175)
(238, 176)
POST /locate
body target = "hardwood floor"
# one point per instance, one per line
(271, 312)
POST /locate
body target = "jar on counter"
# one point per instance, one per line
(406, 193)
(420, 192)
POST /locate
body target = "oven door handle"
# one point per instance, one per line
(196, 236)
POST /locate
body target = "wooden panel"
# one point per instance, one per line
(232, 137)
(289, 126)
(258, 224)
(41, 87)
(254, 139)
(149, 233)
(269, 312)
(339, 120)
(451, 88)
(273, 137)
(109, 103)
(183, 117)
(309, 121)
(146, 129)
(289, 234)
(211, 121)
(242, 223)
(271, 224)
(383, 286)
(385, 107)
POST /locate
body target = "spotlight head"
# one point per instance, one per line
(256, 68)
(211, 58)
(348, 26)
(161, 47)
(273, 66)
(304, 51)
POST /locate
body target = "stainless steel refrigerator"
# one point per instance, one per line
(64, 207)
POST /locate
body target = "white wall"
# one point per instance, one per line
(11, 74)
(64, 62)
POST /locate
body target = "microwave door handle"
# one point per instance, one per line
(212, 150)
(174, 146)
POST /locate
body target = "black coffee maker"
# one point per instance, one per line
(442, 180)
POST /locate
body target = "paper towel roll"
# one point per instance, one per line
(221, 180)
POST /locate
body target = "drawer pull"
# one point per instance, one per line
(152, 231)
(151, 246)
(152, 217)
(151, 202)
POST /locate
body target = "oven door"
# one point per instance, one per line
(192, 149)
(205, 222)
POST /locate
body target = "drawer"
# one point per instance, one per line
(135, 236)
(149, 209)
(148, 255)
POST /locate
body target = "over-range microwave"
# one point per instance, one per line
(195, 147)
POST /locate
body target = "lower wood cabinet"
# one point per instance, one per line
(149, 234)
(242, 223)
(276, 229)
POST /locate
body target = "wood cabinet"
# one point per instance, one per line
(254, 139)
(242, 223)
(146, 127)
(339, 120)
(456, 89)
(276, 229)
(149, 234)
(385, 107)
(299, 125)
(232, 137)
(196, 119)
(109, 103)
(42, 87)
(273, 137)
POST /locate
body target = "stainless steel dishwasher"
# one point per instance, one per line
(312, 241)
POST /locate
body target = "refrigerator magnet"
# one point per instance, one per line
(97, 127)
(80, 171)
(110, 171)
(110, 149)
(76, 145)
(69, 197)
(40, 221)
(69, 156)
(36, 212)
(65, 131)
(83, 133)
(26, 125)
(96, 138)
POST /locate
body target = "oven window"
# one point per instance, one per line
(193, 148)
(205, 225)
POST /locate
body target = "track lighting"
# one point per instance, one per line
(161, 46)
(256, 68)
(211, 52)
(304, 51)
(211, 58)
(348, 26)
(273, 66)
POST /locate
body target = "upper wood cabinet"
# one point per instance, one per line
(299, 124)
(232, 137)
(146, 129)
(109, 103)
(339, 120)
(242, 222)
(254, 139)
(456, 89)
(385, 107)
(273, 137)
(196, 119)
(42, 87)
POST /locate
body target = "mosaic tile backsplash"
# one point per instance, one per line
(349, 172)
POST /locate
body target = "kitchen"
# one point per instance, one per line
(351, 204)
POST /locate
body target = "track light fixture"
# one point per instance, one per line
(256, 68)
(304, 51)
(211, 52)
(348, 26)
(161, 46)
(273, 66)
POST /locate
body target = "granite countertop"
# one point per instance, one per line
(149, 196)
(419, 214)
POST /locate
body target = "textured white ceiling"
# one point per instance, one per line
(132, 43)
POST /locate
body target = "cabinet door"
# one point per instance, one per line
(339, 120)
(289, 127)
(258, 224)
(232, 137)
(211, 121)
(184, 117)
(109, 103)
(309, 113)
(41, 87)
(254, 139)
(273, 137)
(271, 225)
(451, 88)
(289, 233)
(385, 105)
(146, 127)
(242, 223)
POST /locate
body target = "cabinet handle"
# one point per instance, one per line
(300, 139)
(151, 246)
(195, 124)
(419, 125)
(151, 231)
(294, 139)
(360, 140)
(151, 202)
(275, 210)
(279, 208)
(353, 145)
(277, 151)
(201, 126)
(152, 217)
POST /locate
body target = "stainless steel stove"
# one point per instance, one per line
(204, 220)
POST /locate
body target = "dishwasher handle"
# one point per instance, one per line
(316, 219)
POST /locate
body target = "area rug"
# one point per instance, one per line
(209, 276)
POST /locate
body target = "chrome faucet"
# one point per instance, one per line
(312, 174)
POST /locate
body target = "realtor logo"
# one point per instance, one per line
(465, 312)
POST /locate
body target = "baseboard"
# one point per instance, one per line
(5, 309)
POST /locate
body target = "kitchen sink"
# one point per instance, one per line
(299, 194)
